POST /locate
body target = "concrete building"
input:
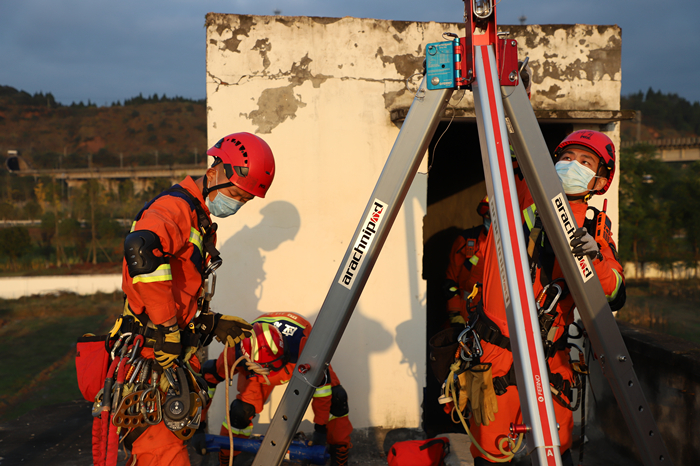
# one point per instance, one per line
(329, 96)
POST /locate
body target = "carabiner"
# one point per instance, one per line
(118, 344)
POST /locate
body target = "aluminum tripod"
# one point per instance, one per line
(503, 113)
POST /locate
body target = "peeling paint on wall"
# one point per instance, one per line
(263, 46)
(275, 106)
(575, 67)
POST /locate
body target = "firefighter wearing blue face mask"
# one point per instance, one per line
(466, 268)
(585, 165)
(168, 254)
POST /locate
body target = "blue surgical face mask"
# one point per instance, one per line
(574, 177)
(223, 206)
(487, 223)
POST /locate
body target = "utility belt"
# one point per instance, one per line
(485, 329)
(562, 389)
(140, 324)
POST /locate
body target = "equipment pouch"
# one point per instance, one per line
(429, 452)
(91, 364)
(443, 347)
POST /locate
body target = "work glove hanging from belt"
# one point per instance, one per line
(225, 328)
(584, 244)
(486, 407)
(167, 347)
(476, 385)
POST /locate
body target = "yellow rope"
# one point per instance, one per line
(507, 455)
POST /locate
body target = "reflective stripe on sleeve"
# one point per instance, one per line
(323, 391)
(618, 284)
(161, 274)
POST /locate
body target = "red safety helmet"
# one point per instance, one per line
(599, 143)
(248, 162)
(483, 207)
(266, 346)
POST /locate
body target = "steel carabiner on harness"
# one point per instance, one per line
(542, 298)
(469, 342)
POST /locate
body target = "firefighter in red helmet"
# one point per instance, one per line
(169, 253)
(464, 275)
(271, 353)
(585, 164)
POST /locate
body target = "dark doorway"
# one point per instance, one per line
(455, 187)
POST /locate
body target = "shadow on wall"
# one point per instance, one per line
(244, 270)
(410, 331)
(362, 337)
(244, 262)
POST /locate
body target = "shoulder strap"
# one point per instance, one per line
(205, 224)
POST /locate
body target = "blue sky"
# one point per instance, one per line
(112, 50)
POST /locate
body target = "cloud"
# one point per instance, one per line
(107, 51)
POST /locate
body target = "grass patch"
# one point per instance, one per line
(37, 340)
(670, 307)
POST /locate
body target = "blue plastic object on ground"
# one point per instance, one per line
(298, 450)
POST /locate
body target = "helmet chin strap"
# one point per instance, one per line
(206, 190)
(576, 197)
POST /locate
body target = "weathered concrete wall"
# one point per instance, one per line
(668, 370)
(321, 92)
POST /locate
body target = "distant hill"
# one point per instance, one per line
(663, 116)
(43, 130)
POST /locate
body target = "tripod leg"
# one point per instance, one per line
(536, 163)
(368, 239)
(528, 354)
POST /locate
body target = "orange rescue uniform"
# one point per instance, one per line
(170, 291)
(610, 273)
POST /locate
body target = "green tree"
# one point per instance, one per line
(686, 211)
(14, 243)
(646, 227)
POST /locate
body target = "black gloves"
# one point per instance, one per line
(584, 244)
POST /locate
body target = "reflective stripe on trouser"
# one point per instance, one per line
(237, 433)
